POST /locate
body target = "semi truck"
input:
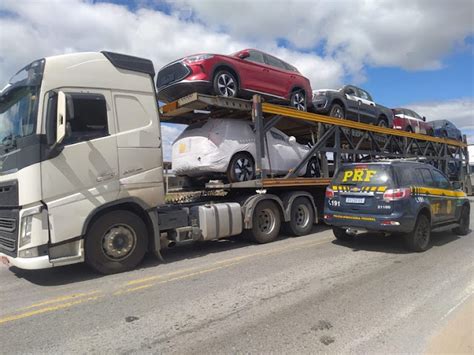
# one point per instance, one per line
(81, 165)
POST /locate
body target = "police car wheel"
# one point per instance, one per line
(419, 239)
(463, 228)
(341, 234)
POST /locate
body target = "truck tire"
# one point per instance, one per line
(225, 84)
(301, 217)
(340, 234)
(463, 228)
(419, 239)
(116, 242)
(336, 111)
(266, 222)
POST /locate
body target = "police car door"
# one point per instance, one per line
(447, 199)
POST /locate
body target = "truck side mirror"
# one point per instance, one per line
(61, 118)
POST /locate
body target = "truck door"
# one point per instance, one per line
(367, 109)
(82, 172)
(352, 103)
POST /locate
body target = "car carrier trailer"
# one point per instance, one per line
(87, 183)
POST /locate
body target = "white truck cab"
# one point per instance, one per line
(79, 136)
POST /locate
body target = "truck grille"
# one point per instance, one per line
(171, 74)
(7, 245)
(7, 225)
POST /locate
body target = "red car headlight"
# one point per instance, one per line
(198, 58)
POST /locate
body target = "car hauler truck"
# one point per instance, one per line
(81, 166)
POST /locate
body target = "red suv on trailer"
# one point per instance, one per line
(410, 121)
(240, 74)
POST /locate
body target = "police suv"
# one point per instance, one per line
(392, 197)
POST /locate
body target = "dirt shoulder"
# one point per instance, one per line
(457, 336)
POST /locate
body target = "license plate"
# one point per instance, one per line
(355, 199)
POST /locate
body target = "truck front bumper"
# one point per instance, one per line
(39, 262)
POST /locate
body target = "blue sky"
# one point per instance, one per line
(413, 53)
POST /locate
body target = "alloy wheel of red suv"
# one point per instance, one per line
(225, 84)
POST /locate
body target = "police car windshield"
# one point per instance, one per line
(364, 174)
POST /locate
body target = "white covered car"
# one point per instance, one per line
(226, 147)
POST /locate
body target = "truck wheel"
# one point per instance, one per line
(336, 111)
(301, 217)
(298, 100)
(463, 228)
(225, 84)
(241, 168)
(419, 239)
(266, 222)
(340, 233)
(116, 242)
(382, 122)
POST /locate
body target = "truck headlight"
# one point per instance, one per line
(25, 235)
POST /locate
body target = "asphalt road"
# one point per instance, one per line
(296, 295)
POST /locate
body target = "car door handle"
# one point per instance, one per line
(266, 70)
(105, 177)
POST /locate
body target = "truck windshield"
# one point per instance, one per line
(19, 105)
(363, 175)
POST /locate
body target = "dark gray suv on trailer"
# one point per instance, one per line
(352, 103)
(395, 197)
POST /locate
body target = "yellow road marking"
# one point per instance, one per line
(184, 274)
(231, 260)
(46, 309)
(62, 298)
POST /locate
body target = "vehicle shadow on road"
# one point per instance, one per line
(70, 274)
(392, 244)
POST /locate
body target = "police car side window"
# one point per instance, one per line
(408, 177)
(427, 177)
(440, 180)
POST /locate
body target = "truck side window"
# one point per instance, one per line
(440, 180)
(86, 117)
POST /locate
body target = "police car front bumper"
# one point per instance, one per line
(394, 222)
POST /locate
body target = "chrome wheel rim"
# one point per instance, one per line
(266, 220)
(301, 216)
(119, 242)
(337, 112)
(243, 169)
(226, 85)
(299, 101)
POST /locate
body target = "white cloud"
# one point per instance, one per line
(44, 28)
(458, 111)
(412, 34)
